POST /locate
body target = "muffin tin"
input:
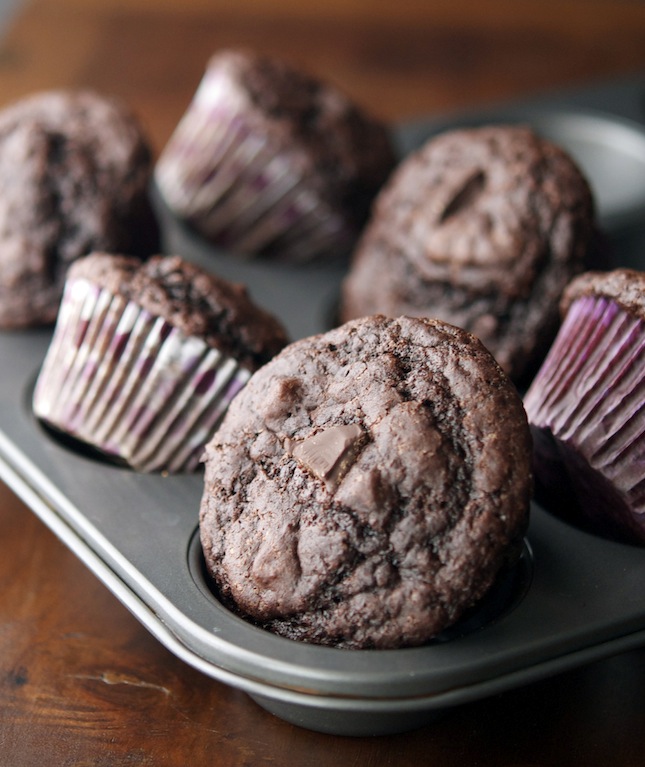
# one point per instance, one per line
(572, 598)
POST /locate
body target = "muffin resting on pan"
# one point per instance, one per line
(367, 485)
(482, 228)
(587, 406)
(271, 161)
(146, 357)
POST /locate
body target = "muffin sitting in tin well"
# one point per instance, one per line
(586, 406)
(367, 485)
(146, 357)
(482, 228)
(271, 161)
(75, 168)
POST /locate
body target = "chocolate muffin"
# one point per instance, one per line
(367, 485)
(482, 228)
(586, 407)
(74, 173)
(269, 160)
(146, 356)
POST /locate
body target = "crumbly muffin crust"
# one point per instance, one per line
(74, 171)
(624, 286)
(191, 299)
(367, 484)
(482, 228)
(586, 411)
(272, 162)
(350, 152)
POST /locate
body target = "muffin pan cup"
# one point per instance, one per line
(573, 598)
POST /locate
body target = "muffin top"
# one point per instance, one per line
(483, 228)
(625, 287)
(367, 485)
(349, 152)
(191, 299)
(74, 170)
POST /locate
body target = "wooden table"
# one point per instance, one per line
(81, 682)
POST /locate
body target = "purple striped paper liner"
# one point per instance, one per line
(220, 173)
(590, 394)
(132, 385)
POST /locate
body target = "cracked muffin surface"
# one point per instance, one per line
(367, 485)
(74, 173)
(483, 228)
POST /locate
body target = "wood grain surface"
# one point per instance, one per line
(81, 682)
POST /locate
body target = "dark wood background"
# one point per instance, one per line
(81, 682)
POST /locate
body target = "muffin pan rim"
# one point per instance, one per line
(273, 695)
(65, 480)
(186, 638)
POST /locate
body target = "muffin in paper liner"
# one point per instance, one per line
(586, 407)
(246, 179)
(130, 384)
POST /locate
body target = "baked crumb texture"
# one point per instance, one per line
(367, 485)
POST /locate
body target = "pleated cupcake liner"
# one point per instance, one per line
(222, 174)
(130, 384)
(590, 396)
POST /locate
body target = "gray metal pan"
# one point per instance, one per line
(137, 533)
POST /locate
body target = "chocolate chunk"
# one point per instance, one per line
(329, 453)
